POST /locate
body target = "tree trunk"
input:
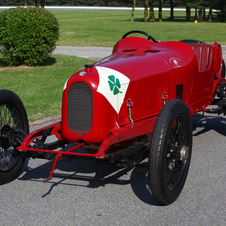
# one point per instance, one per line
(151, 14)
(133, 9)
(171, 10)
(188, 13)
(160, 10)
(196, 14)
(42, 3)
(37, 3)
(145, 10)
(204, 14)
(200, 15)
(210, 13)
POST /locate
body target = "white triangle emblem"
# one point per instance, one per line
(113, 86)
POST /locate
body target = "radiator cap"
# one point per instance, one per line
(88, 65)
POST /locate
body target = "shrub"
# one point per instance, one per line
(28, 35)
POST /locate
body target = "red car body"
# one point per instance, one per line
(113, 106)
(153, 74)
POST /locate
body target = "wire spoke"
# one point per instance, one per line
(177, 139)
(9, 115)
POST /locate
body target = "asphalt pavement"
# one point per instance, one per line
(91, 194)
(224, 52)
(94, 52)
(85, 52)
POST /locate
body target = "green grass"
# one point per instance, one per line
(40, 88)
(105, 28)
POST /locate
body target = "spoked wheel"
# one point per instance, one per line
(13, 129)
(170, 152)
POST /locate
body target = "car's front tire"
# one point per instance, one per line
(170, 152)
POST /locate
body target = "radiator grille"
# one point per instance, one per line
(80, 108)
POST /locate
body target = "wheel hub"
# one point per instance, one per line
(5, 137)
(10, 139)
(184, 153)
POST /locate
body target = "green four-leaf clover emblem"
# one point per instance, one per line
(114, 84)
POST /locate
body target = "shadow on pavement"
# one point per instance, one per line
(207, 123)
(96, 175)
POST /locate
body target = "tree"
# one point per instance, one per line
(151, 14)
(221, 5)
(145, 10)
(188, 4)
(196, 13)
(210, 11)
(188, 13)
(171, 10)
(37, 3)
(200, 15)
(160, 10)
(201, 5)
(42, 3)
(200, 8)
(133, 9)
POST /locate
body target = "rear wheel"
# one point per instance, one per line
(223, 70)
(170, 152)
(13, 129)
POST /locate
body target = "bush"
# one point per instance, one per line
(28, 35)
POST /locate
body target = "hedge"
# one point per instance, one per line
(27, 35)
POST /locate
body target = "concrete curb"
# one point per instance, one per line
(45, 120)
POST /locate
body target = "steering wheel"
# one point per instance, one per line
(141, 32)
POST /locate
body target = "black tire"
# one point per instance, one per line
(170, 152)
(223, 70)
(13, 115)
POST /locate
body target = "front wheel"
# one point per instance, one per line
(170, 152)
(13, 129)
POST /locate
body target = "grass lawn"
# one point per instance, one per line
(106, 27)
(40, 88)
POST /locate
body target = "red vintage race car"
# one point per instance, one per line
(134, 104)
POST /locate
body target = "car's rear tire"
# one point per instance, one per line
(13, 118)
(170, 152)
(223, 70)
